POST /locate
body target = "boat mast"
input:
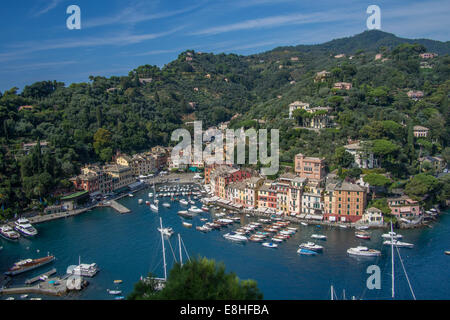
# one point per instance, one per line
(332, 293)
(392, 254)
(163, 249)
(179, 245)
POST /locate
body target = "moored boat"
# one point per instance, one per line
(306, 252)
(187, 224)
(194, 209)
(270, 245)
(166, 231)
(363, 251)
(166, 205)
(397, 243)
(311, 246)
(235, 237)
(8, 233)
(362, 235)
(24, 227)
(392, 235)
(28, 265)
(319, 236)
(83, 269)
(185, 213)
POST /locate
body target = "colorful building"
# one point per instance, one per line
(344, 202)
(311, 168)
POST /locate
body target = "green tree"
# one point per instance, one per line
(421, 185)
(200, 279)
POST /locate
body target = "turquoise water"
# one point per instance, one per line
(128, 246)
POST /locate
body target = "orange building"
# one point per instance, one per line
(344, 202)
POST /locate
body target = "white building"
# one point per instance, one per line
(364, 159)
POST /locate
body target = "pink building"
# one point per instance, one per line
(309, 167)
(404, 207)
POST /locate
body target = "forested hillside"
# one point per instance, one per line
(89, 122)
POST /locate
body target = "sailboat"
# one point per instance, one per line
(404, 270)
(154, 206)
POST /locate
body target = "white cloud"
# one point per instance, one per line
(50, 6)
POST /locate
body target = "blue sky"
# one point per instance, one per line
(116, 36)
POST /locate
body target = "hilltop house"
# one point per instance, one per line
(322, 76)
(364, 158)
(420, 132)
(415, 95)
(342, 85)
(297, 105)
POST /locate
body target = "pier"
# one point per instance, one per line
(116, 206)
(53, 287)
(37, 278)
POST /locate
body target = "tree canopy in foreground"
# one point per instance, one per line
(198, 279)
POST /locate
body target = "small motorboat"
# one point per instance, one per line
(166, 205)
(235, 237)
(203, 228)
(362, 235)
(205, 209)
(140, 201)
(303, 223)
(194, 209)
(8, 233)
(154, 207)
(392, 235)
(319, 236)
(119, 298)
(363, 251)
(306, 252)
(187, 224)
(166, 231)
(118, 281)
(185, 213)
(114, 292)
(183, 202)
(397, 243)
(131, 195)
(362, 227)
(343, 226)
(270, 245)
(447, 252)
(311, 246)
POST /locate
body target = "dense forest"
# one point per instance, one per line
(89, 122)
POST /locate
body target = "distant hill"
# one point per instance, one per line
(370, 41)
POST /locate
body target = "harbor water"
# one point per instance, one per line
(128, 246)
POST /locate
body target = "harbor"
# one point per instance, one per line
(128, 246)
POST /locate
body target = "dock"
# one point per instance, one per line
(116, 206)
(37, 278)
(53, 287)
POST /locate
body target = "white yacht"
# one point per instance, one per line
(8, 233)
(311, 246)
(319, 236)
(24, 227)
(166, 205)
(398, 243)
(166, 231)
(140, 201)
(235, 237)
(83, 269)
(363, 251)
(184, 202)
(154, 207)
(194, 209)
(391, 235)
